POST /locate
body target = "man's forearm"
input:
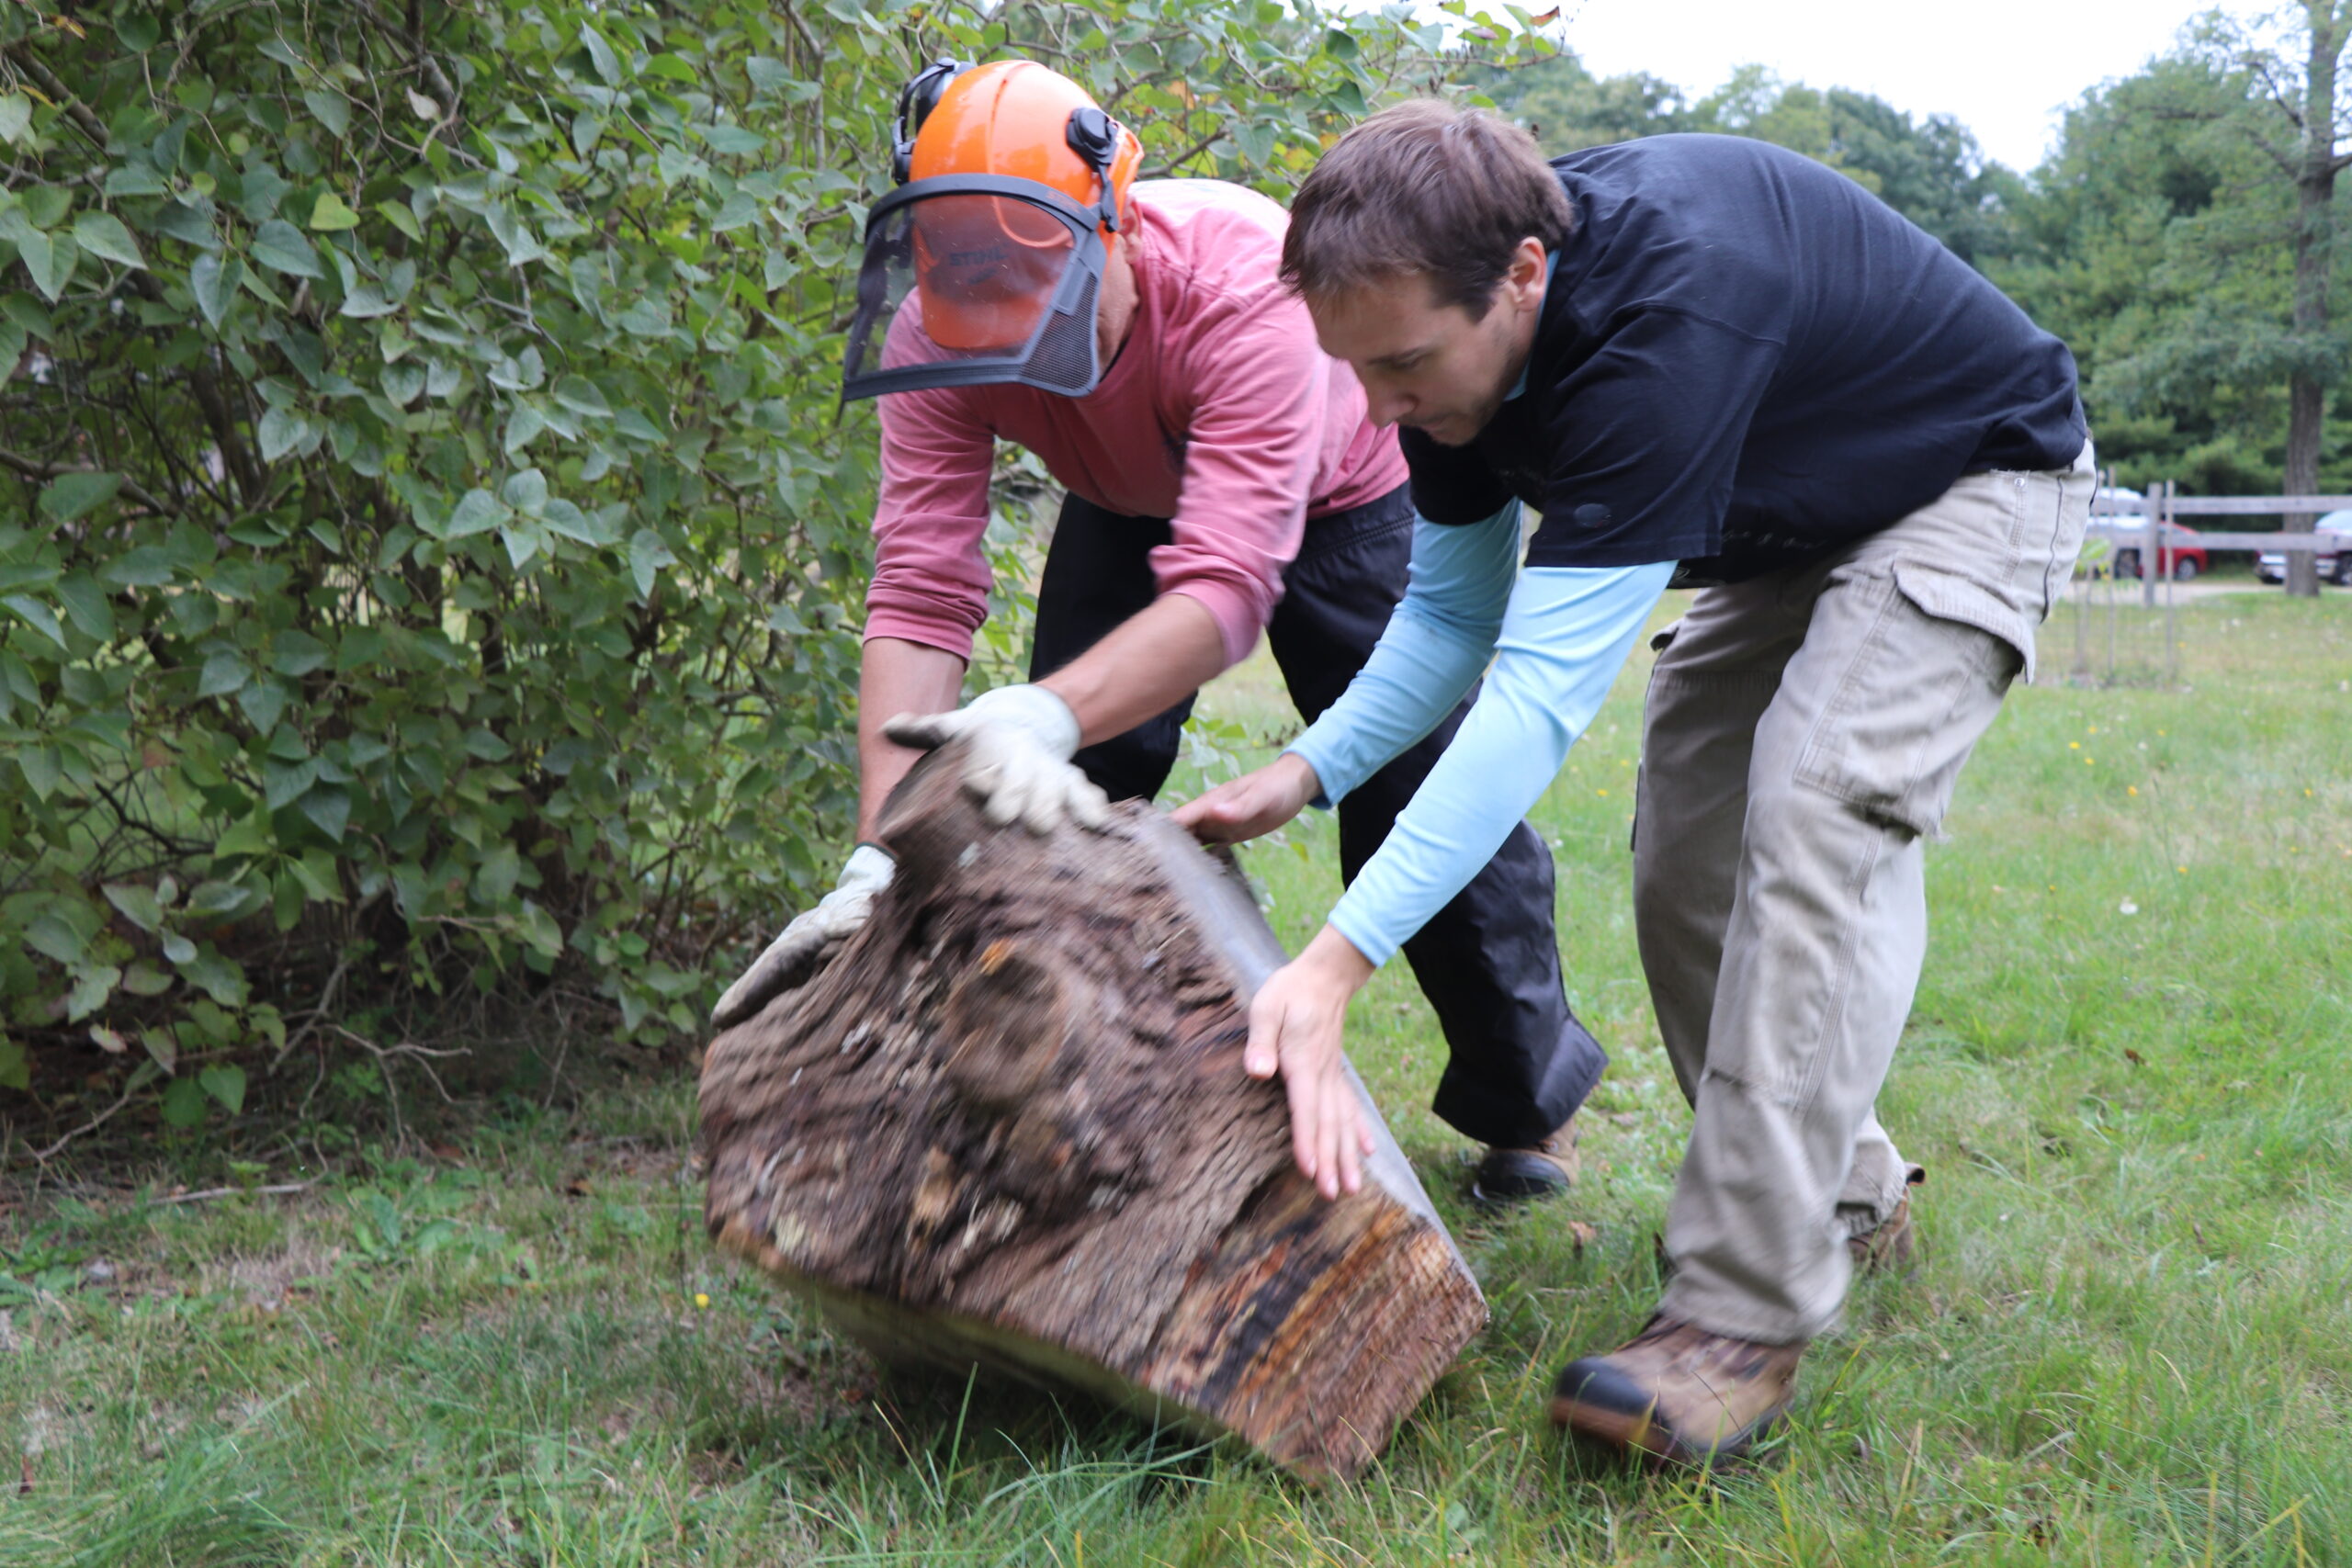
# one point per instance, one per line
(1438, 639)
(1568, 633)
(895, 676)
(1147, 665)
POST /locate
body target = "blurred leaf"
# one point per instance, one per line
(329, 810)
(219, 978)
(226, 1083)
(183, 1104)
(648, 554)
(214, 282)
(282, 430)
(102, 234)
(139, 905)
(331, 215)
(36, 614)
(49, 260)
(332, 112)
(69, 496)
(92, 986)
(280, 246)
(600, 55)
(477, 512)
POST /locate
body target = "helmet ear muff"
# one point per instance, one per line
(1097, 138)
(916, 100)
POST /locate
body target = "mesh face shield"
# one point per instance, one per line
(970, 279)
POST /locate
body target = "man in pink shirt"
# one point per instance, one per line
(1223, 479)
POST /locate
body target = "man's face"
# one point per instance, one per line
(1431, 366)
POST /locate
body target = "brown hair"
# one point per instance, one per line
(1424, 187)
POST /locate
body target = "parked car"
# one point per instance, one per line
(2117, 514)
(2178, 557)
(2335, 564)
(2123, 519)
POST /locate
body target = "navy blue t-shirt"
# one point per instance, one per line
(1744, 359)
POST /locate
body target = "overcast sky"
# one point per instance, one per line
(2003, 67)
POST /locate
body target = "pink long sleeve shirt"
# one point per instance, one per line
(1219, 414)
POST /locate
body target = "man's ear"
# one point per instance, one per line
(1528, 273)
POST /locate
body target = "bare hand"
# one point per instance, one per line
(1254, 805)
(1295, 1027)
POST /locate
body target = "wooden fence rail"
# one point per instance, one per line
(2163, 503)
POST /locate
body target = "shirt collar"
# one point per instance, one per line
(1551, 265)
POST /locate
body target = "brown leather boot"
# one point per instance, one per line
(1888, 1248)
(1677, 1393)
(1519, 1176)
(1891, 1246)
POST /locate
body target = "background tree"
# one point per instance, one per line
(2285, 64)
(2154, 244)
(1565, 107)
(1931, 171)
(2181, 239)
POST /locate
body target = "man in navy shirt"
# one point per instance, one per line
(1706, 361)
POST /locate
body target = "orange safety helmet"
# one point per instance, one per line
(1016, 117)
(1012, 180)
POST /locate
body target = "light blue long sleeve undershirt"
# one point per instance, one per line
(1556, 637)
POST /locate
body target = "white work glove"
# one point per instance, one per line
(810, 939)
(1019, 764)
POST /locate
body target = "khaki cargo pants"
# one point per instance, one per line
(1803, 735)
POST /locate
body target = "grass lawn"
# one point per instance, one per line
(504, 1339)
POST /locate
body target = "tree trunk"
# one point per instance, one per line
(2314, 251)
(1008, 1126)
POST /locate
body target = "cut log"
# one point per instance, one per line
(1008, 1126)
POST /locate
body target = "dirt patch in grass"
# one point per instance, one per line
(264, 1279)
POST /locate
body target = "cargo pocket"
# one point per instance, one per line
(1951, 597)
(1923, 680)
(1660, 640)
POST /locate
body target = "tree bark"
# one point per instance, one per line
(2315, 253)
(1008, 1126)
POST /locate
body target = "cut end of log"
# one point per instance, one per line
(1008, 1126)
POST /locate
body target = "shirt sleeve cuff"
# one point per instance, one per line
(1309, 751)
(929, 632)
(1363, 932)
(1238, 616)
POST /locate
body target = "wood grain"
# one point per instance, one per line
(1008, 1126)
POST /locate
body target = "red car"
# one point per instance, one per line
(2179, 555)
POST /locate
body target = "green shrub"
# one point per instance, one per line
(431, 550)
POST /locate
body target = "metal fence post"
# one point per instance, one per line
(2152, 553)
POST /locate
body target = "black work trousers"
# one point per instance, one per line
(1488, 961)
